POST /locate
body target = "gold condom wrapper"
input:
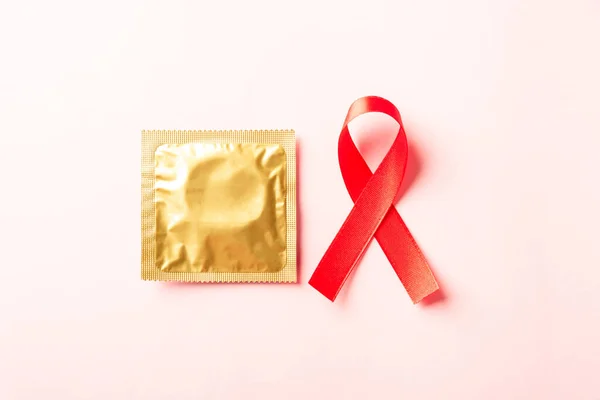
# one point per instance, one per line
(219, 206)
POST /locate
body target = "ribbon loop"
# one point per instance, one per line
(373, 214)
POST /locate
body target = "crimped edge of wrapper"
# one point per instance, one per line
(151, 139)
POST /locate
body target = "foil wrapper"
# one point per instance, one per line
(219, 206)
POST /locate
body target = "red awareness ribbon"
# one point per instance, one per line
(373, 214)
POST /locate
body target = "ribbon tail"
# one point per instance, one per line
(406, 257)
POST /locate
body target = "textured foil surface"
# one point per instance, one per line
(219, 206)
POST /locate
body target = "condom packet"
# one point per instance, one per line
(219, 206)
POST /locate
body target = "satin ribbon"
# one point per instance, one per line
(373, 214)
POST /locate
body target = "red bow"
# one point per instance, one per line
(373, 214)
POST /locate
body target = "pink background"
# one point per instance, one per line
(501, 104)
